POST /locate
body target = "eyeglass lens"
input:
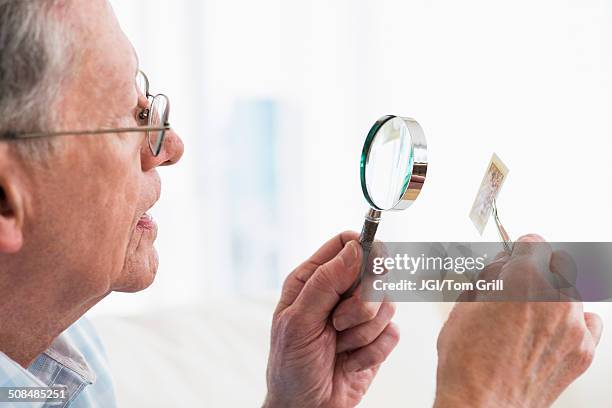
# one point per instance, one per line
(158, 116)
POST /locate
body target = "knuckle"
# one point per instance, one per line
(566, 310)
(393, 333)
(583, 358)
(348, 235)
(287, 324)
(575, 333)
(362, 338)
(374, 357)
(392, 308)
(322, 278)
(368, 311)
(572, 315)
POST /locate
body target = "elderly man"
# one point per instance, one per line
(82, 138)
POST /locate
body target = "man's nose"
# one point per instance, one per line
(171, 152)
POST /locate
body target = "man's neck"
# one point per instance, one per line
(31, 318)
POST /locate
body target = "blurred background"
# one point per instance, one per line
(274, 98)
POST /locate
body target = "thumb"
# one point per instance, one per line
(322, 291)
(595, 325)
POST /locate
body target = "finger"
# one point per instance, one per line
(528, 268)
(366, 333)
(372, 268)
(467, 296)
(295, 281)
(562, 264)
(572, 298)
(330, 249)
(374, 353)
(322, 291)
(565, 270)
(490, 273)
(500, 257)
(532, 245)
(595, 326)
(353, 311)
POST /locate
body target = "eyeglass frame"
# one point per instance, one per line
(143, 114)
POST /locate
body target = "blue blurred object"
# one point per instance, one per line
(253, 192)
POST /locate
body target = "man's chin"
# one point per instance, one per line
(138, 274)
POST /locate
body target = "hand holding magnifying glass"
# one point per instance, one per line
(393, 170)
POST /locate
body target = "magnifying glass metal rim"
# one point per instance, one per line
(418, 158)
(367, 145)
(411, 190)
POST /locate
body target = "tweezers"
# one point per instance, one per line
(507, 242)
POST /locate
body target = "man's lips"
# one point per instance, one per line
(146, 222)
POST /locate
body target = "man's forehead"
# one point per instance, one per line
(107, 62)
(97, 26)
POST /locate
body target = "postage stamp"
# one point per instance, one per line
(489, 189)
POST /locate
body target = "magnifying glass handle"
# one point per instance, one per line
(370, 225)
(366, 239)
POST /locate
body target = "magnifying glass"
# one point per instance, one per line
(393, 169)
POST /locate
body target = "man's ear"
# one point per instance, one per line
(11, 218)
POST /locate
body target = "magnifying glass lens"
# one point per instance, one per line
(389, 164)
(392, 172)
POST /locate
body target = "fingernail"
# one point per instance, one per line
(349, 254)
(352, 366)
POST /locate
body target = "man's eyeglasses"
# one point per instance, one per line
(155, 116)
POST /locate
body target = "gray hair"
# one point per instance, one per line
(34, 55)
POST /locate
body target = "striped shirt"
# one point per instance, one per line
(76, 360)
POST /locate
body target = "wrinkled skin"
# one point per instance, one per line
(516, 354)
(326, 350)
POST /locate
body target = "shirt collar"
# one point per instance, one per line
(65, 352)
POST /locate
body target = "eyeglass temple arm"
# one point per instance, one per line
(17, 136)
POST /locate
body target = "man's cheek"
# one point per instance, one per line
(115, 225)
